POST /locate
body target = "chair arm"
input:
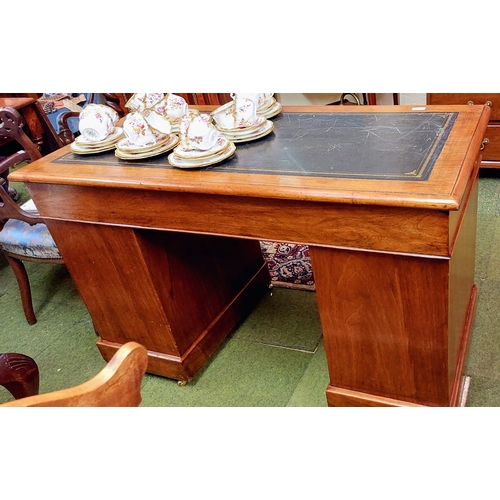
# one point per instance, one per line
(65, 133)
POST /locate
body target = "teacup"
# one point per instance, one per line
(136, 103)
(142, 101)
(97, 121)
(246, 106)
(225, 116)
(264, 101)
(137, 130)
(171, 106)
(158, 121)
(197, 132)
(261, 100)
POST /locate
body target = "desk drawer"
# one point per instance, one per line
(446, 99)
(491, 151)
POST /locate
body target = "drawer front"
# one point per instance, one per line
(491, 151)
(494, 99)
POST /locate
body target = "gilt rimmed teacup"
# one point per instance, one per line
(97, 121)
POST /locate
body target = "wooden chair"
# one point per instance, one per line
(14, 138)
(23, 234)
(19, 375)
(118, 384)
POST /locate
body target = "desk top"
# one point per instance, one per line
(15, 102)
(418, 156)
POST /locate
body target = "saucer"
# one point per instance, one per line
(175, 161)
(81, 150)
(270, 102)
(125, 146)
(273, 110)
(222, 143)
(251, 135)
(158, 150)
(115, 136)
(260, 120)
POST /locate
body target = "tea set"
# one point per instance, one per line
(158, 123)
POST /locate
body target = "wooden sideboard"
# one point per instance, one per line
(491, 143)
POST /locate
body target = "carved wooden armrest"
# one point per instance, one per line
(64, 131)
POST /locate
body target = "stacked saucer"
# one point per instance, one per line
(183, 158)
(83, 146)
(126, 150)
(270, 108)
(261, 128)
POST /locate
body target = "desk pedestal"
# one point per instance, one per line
(178, 294)
(396, 327)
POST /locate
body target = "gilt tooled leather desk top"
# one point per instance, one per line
(364, 145)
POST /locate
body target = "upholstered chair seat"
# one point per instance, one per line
(19, 238)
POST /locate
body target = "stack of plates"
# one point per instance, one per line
(127, 151)
(82, 146)
(183, 158)
(271, 108)
(260, 129)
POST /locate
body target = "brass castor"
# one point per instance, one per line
(181, 383)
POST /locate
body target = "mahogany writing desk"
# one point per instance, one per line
(386, 198)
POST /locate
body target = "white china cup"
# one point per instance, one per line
(197, 132)
(246, 106)
(173, 107)
(137, 130)
(225, 116)
(97, 121)
(158, 121)
(264, 101)
(136, 103)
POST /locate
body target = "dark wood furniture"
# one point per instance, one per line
(118, 384)
(491, 144)
(29, 248)
(19, 374)
(385, 197)
(40, 130)
(18, 146)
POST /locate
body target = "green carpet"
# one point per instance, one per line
(275, 357)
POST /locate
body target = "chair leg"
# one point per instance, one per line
(24, 287)
(19, 375)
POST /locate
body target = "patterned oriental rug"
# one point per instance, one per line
(289, 265)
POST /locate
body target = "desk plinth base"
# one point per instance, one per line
(185, 367)
(177, 294)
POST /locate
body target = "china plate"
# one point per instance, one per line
(114, 137)
(241, 130)
(175, 161)
(253, 135)
(80, 150)
(222, 143)
(274, 110)
(262, 109)
(125, 147)
(174, 140)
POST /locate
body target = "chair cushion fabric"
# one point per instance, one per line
(35, 241)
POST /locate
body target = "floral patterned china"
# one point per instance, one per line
(244, 135)
(225, 153)
(97, 121)
(158, 149)
(127, 147)
(113, 138)
(193, 154)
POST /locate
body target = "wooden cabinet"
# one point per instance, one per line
(491, 144)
